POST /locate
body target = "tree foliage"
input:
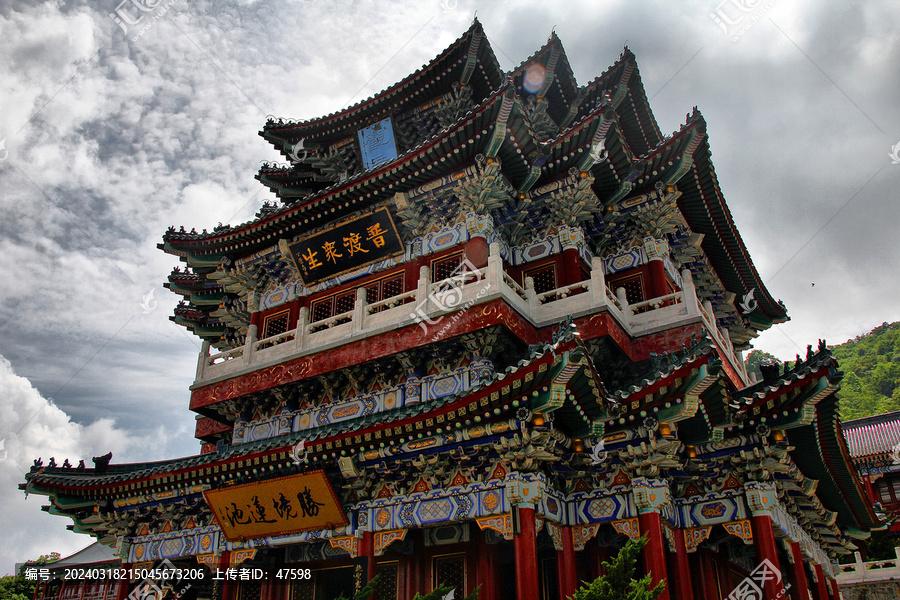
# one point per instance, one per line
(16, 587)
(619, 583)
(438, 593)
(871, 366)
(754, 359)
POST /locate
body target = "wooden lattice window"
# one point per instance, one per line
(275, 324)
(333, 305)
(386, 589)
(448, 266)
(303, 589)
(250, 590)
(450, 570)
(634, 288)
(544, 278)
(385, 288)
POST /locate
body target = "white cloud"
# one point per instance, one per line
(33, 426)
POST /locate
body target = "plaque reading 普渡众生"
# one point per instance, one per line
(351, 245)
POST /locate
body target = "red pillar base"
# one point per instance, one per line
(124, 583)
(525, 548)
(367, 550)
(565, 563)
(764, 541)
(684, 590)
(821, 584)
(655, 550)
(798, 572)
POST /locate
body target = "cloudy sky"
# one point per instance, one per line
(114, 132)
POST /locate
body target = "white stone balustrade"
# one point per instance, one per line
(869, 572)
(429, 303)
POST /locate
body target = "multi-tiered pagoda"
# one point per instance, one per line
(491, 329)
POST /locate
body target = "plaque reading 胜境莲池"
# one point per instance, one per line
(351, 245)
(276, 507)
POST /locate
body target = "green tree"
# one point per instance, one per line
(16, 587)
(619, 582)
(754, 359)
(871, 366)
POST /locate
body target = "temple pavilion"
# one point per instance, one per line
(490, 329)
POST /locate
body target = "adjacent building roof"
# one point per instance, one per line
(871, 436)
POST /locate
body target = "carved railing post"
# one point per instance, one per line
(495, 267)
(203, 361)
(302, 328)
(598, 282)
(359, 311)
(422, 288)
(250, 344)
(531, 296)
(689, 293)
(623, 302)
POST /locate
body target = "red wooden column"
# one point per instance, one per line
(650, 496)
(798, 573)
(367, 549)
(565, 564)
(709, 581)
(867, 481)
(835, 592)
(486, 574)
(684, 590)
(124, 582)
(572, 267)
(821, 584)
(658, 286)
(229, 586)
(525, 548)
(764, 541)
(655, 550)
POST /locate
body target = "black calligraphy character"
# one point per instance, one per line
(283, 507)
(236, 515)
(308, 506)
(260, 510)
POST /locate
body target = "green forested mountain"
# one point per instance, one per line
(871, 366)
